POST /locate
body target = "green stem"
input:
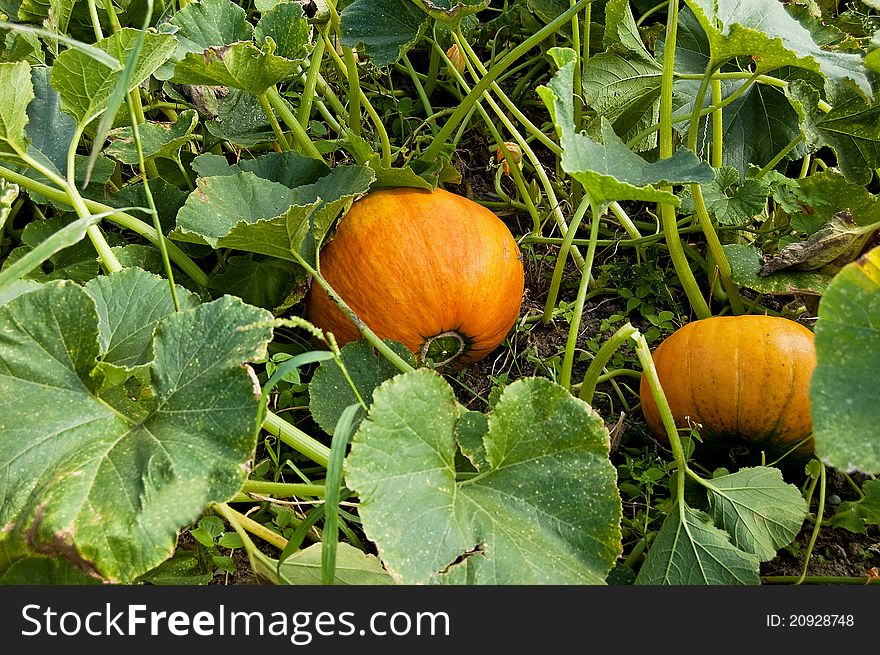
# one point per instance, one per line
(650, 372)
(273, 121)
(527, 152)
(296, 438)
(96, 21)
(420, 90)
(717, 125)
(163, 246)
(433, 71)
(355, 92)
(611, 345)
(665, 209)
(283, 489)
(559, 266)
(304, 111)
(694, 126)
(625, 221)
(718, 255)
(434, 149)
(770, 165)
(299, 133)
(239, 521)
(72, 197)
(817, 527)
(586, 275)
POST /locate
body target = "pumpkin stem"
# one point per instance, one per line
(443, 348)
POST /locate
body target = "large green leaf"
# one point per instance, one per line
(755, 127)
(758, 509)
(201, 25)
(55, 14)
(851, 129)
(625, 90)
(207, 23)
(765, 32)
(844, 396)
(270, 283)
(329, 390)
(49, 129)
(621, 30)
(130, 304)
(690, 550)
(386, 28)
(251, 213)
(286, 25)
(238, 65)
(157, 139)
(546, 511)
(18, 91)
(108, 487)
(85, 85)
(288, 168)
(609, 170)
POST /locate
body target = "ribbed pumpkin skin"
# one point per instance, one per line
(413, 264)
(744, 378)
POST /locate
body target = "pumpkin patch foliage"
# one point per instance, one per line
(394, 292)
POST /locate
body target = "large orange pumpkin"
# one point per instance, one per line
(745, 379)
(434, 270)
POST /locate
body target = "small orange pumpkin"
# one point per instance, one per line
(434, 270)
(745, 379)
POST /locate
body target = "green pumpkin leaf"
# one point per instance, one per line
(231, 204)
(756, 126)
(288, 168)
(15, 80)
(386, 28)
(621, 30)
(157, 139)
(690, 550)
(130, 305)
(624, 90)
(240, 65)
(546, 511)
(857, 515)
(250, 213)
(745, 262)
(55, 14)
(610, 170)
(49, 130)
(86, 85)
(851, 129)
(42, 570)
(268, 283)
(353, 567)
(758, 509)
(329, 391)
(201, 25)
(286, 25)
(81, 475)
(765, 32)
(844, 398)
